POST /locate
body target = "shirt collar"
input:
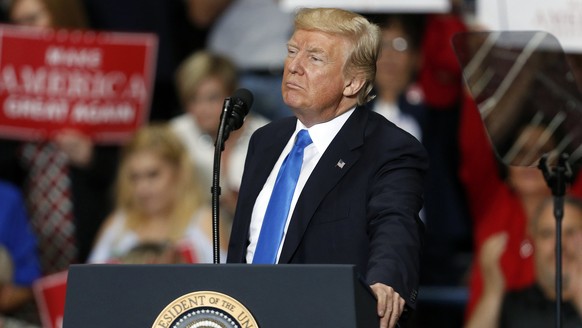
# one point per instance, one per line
(323, 133)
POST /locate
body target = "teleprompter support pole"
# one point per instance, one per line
(557, 179)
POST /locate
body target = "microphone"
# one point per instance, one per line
(234, 110)
(241, 101)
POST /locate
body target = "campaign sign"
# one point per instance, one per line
(50, 293)
(562, 18)
(99, 83)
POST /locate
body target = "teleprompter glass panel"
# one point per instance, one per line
(528, 92)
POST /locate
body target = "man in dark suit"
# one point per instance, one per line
(359, 190)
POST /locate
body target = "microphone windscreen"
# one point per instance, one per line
(246, 97)
(242, 100)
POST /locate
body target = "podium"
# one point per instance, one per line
(275, 296)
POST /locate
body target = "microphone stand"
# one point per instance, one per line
(557, 180)
(221, 137)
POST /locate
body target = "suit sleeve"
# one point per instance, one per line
(394, 227)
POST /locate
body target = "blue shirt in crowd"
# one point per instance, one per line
(17, 237)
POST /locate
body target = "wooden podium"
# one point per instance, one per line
(168, 296)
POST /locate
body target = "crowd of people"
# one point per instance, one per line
(67, 200)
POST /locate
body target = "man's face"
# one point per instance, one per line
(544, 240)
(313, 81)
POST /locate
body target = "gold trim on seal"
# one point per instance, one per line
(205, 309)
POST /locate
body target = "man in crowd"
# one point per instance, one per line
(350, 190)
(534, 306)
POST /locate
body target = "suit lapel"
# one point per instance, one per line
(263, 162)
(340, 156)
(257, 170)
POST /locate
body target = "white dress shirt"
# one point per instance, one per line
(392, 112)
(321, 135)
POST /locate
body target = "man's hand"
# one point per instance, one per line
(390, 305)
(489, 258)
(488, 308)
(77, 146)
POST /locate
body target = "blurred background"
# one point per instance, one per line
(120, 195)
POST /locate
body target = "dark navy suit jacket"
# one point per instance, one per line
(364, 212)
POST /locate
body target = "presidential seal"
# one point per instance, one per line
(205, 309)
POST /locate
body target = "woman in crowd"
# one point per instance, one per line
(399, 99)
(204, 80)
(48, 13)
(158, 200)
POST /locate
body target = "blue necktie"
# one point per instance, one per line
(271, 234)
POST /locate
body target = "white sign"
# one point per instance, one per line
(562, 18)
(377, 6)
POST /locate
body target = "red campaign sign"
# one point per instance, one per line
(99, 83)
(50, 294)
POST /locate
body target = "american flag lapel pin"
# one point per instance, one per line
(340, 164)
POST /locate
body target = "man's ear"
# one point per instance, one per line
(353, 86)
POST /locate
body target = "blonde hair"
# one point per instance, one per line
(159, 139)
(200, 66)
(364, 36)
